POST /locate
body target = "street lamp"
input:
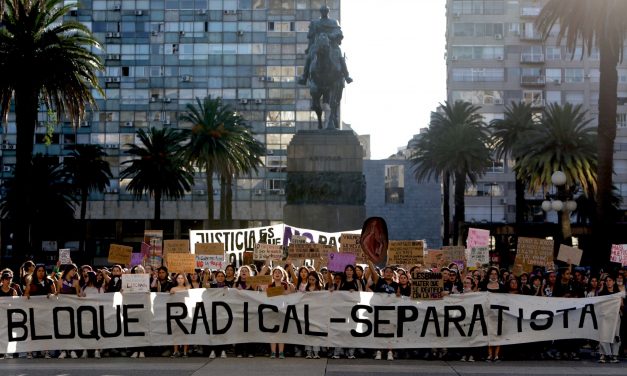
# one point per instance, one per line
(562, 202)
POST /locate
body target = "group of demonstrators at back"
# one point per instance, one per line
(34, 280)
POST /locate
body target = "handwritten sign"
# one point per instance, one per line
(338, 261)
(145, 249)
(120, 254)
(154, 262)
(454, 253)
(209, 249)
(425, 285)
(477, 238)
(176, 246)
(247, 257)
(479, 256)
(275, 291)
(214, 262)
(137, 259)
(298, 239)
(132, 283)
(619, 254)
(534, 252)
(309, 251)
(264, 251)
(405, 252)
(434, 258)
(259, 280)
(349, 243)
(570, 255)
(154, 238)
(181, 262)
(64, 256)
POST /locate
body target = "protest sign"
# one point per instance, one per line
(262, 252)
(181, 262)
(298, 239)
(534, 252)
(338, 261)
(145, 249)
(479, 256)
(275, 291)
(349, 243)
(137, 259)
(120, 254)
(569, 255)
(248, 257)
(176, 246)
(434, 258)
(209, 249)
(426, 285)
(454, 254)
(259, 280)
(132, 283)
(213, 262)
(619, 254)
(64, 256)
(405, 252)
(154, 238)
(154, 262)
(477, 238)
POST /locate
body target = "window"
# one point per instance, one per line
(466, 29)
(574, 97)
(498, 166)
(485, 190)
(478, 74)
(573, 75)
(394, 184)
(478, 7)
(479, 96)
(477, 52)
(554, 97)
(280, 119)
(554, 53)
(533, 97)
(621, 120)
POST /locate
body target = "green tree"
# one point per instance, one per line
(159, 168)
(601, 24)
(563, 141)
(458, 145)
(506, 133)
(223, 144)
(42, 58)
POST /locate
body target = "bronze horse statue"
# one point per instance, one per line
(326, 82)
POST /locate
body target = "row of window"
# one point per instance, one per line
(214, 4)
(552, 75)
(478, 7)
(196, 27)
(529, 54)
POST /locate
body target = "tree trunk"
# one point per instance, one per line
(157, 205)
(84, 194)
(608, 82)
(459, 217)
(446, 208)
(26, 107)
(521, 207)
(229, 200)
(222, 201)
(209, 181)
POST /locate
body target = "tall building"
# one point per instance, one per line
(162, 54)
(496, 56)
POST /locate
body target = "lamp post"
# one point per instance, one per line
(562, 202)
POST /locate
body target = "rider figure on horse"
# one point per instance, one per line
(331, 28)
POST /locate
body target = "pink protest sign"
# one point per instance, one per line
(137, 259)
(338, 261)
(477, 238)
(619, 254)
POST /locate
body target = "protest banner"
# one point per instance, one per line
(405, 252)
(65, 257)
(132, 283)
(213, 262)
(216, 249)
(120, 254)
(479, 256)
(263, 252)
(619, 254)
(260, 280)
(175, 246)
(477, 238)
(534, 252)
(338, 261)
(213, 317)
(426, 285)
(154, 238)
(569, 255)
(137, 259)
(181, 262)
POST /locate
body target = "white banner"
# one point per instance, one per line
(236, 241)
(337, 319)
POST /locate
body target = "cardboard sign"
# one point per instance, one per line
(275, 291)
(145, 249)
(264, 251)
(64, 256)
(405, 252)
(425, 285)
(181, 262)
(454, 253)
(247, 258)
(309, 251)
(338, 261)
(570, 255)
(209, 249)
(619, 254)
(479, 256)
(119, 254)
(534, 252)
(298, 239)
(132, 283)
(137, 259)
(176, 246)
(477, 238)
(214, 262)
(349, 243)
(259, 280)
(154, 238)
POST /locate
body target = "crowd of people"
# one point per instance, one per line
(34, 279)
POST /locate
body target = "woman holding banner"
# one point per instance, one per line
(314, 283)
(68, 284)
(180, 285)
(279, 279)
(229, 272)
(241, 283)
(351, 284)
(493, 284)
(609, 350)
(218, 283)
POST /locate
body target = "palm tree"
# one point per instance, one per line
(42, 58)
(459, 146)
(506, 133)
(563, 141)
(160, 168)
(601, 24)
(220, 143)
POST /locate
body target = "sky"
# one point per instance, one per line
(395, 53)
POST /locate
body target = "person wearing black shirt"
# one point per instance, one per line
(385, 285)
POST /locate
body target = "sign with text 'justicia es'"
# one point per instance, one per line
(336, 319)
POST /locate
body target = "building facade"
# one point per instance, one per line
(496, 56)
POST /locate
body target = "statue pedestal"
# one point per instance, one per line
(325, 188)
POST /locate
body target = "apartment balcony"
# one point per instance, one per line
(527, 58)
(531, 36)
(532, 80)
(530, 12)
(535, 103)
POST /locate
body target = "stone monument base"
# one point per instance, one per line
(325, 218)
